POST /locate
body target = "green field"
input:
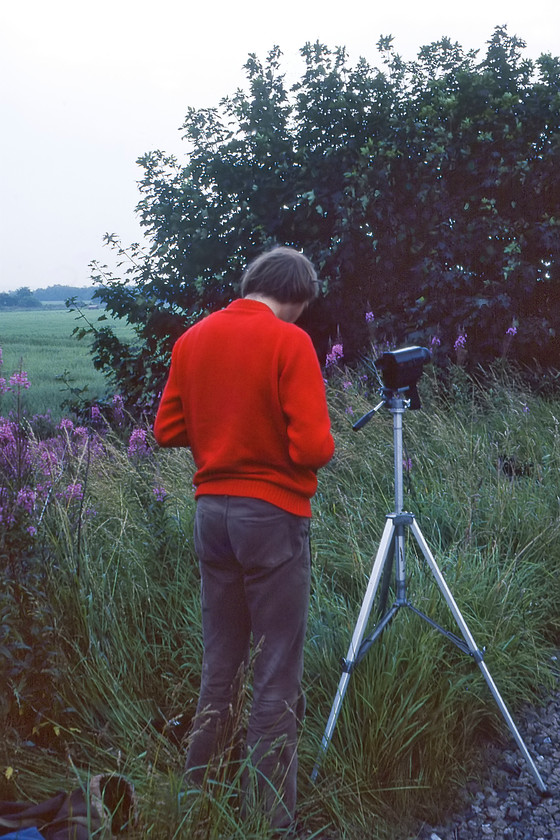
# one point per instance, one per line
(40, 342)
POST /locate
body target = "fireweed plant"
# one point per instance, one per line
(45, 505)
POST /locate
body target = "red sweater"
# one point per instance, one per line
(246, 393)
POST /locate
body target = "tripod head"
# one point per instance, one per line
(400, 371)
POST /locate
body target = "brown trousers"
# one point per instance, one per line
(255, 578)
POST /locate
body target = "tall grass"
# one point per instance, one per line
(483, 481)
(121, 583)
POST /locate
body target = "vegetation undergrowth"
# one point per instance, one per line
(100, 643)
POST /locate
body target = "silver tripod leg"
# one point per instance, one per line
(475, 651)
(359, 630)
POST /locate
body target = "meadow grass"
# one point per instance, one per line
(122, 665)
(40, 342)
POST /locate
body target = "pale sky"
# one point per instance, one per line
(90, 85)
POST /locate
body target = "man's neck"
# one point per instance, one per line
(289, 312)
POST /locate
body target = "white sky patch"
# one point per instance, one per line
(89, 87)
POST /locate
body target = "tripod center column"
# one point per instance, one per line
(397, 410)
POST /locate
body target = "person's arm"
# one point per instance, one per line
(302, 393)
(169, 425)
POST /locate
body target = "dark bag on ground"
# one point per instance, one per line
(105, 807)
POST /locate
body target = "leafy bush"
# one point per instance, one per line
(425, 193)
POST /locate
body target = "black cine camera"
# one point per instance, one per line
(400, 371)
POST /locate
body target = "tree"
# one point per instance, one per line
(469, 215)
(22, 298)
(424, 193)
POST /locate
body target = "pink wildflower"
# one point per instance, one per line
(48, 458)
(336, 354)
(160, 493)
(19, 380)
(66, 424)
(26, 498)
(137, 444)
(118, 408)
(74, 491)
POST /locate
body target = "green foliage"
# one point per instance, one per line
(425, 193)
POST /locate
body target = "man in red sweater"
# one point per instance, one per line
(245, 392)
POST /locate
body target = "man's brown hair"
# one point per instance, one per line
(283, 274)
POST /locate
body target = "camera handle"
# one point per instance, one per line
(392, 549)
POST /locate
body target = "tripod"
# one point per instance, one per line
(392, 549)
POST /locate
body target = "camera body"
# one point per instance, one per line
(401, 369)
